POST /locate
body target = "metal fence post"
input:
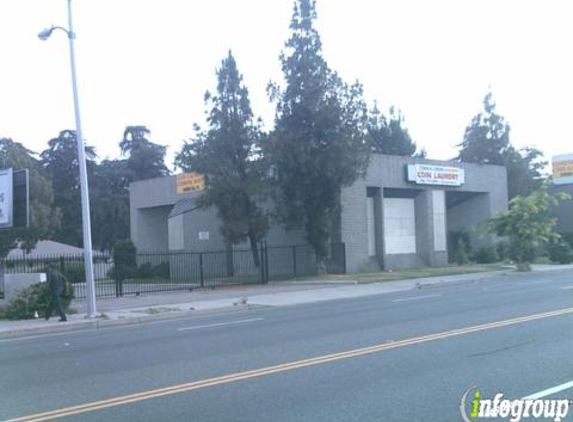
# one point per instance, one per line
(118, 281)
(202, 274)
(294, 261)
(262, 261)
(343, 257)
(266, 263)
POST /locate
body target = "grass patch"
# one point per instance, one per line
(424, 272)
(381, 276)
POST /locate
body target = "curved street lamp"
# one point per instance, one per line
(87, 234)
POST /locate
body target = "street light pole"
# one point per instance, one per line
(87, 233)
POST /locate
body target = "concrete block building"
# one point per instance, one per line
(563, 182)
(397, 216)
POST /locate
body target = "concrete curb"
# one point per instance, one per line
(130, 318)
(320, 283)
(484, 279)
(102, 323)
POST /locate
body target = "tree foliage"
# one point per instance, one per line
(389, 136)
(524, 171)
(319, 143)
(528, 225)
(44, 217)
(145, 159)
(60, 163)
(109, 193)
(486, 139)
(229, 155)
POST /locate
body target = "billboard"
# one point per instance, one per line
(423, 174)
(563, 169)
(6, 198)
(190, 182)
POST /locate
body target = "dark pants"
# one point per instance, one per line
(56, 303)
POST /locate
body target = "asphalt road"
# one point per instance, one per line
(254, 365)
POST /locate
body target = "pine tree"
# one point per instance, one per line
(486, 139)
(389, 136)
(229, 156)
(319, 143)
(145, 158)
(60, 163)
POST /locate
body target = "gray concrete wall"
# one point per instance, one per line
(468, 215)
(15, 283)
(389, 171)
(159, 193)
(207, 220)
(564, 211)
(176, 238)
(152, 229)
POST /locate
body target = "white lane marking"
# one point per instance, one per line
(219, 324)
(566, 288)
(550, 391)
(416, 298)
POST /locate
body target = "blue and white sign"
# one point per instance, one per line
(6, 198)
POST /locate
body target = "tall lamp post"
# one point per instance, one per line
(87, 233)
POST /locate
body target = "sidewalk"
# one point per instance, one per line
(172, 305)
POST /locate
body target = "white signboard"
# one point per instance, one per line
(423, 174)
(6, 198)
(203, 235)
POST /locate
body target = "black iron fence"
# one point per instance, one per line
(150, 272)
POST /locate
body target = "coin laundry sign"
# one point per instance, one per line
(435, 175)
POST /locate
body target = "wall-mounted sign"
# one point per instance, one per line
(563, 169)
(203, 235)
(190, 182)
(6, 198)
(423, 174)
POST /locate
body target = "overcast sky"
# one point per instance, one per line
(149, 62)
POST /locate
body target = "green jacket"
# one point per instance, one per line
(57, 281)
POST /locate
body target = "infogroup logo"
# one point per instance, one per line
(474, 408)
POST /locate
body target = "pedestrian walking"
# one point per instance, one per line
(57, 282)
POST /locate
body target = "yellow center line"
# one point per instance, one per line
(225, 379)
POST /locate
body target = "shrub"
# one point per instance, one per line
(486, 255)
(502, 251)
(35, 298)
(162, 270)
(455, 241)
(124, 254)
(124, 259)
(461, 252)
(560, 252)
(145, 271)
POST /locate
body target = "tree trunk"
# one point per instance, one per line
(254, 250)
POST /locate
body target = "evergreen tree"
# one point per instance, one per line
(228, 154)
(524, 171)
(486, 139)
(319, 144)
(109, 197)
(60, 163)
(389, 136)
(145, 159)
